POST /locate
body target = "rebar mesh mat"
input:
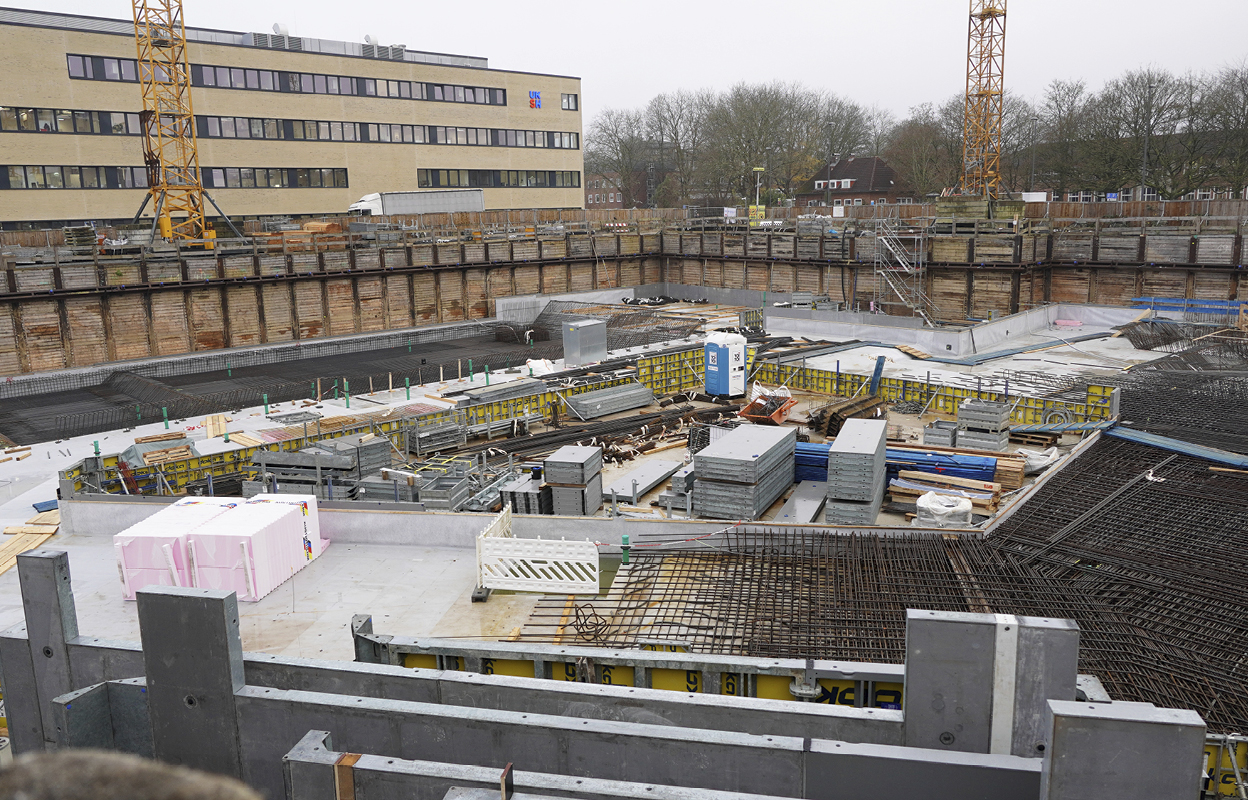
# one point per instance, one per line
(1147, 550)
(627, 326)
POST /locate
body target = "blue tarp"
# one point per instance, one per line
(812, 463)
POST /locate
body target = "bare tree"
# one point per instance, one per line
(677, 121)
(616, 148)
(1064, 114)
(1229, 109)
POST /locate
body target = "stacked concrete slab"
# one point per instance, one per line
(740, 475)
(574, 475)
(983, 425)
(856, 473)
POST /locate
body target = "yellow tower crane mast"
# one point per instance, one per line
(168, 121)
(985, 96)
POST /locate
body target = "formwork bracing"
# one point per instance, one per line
(1147, 550)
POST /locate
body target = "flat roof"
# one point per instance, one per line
(125, 27)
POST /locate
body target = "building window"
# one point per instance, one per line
(483, 178)
(568, 102)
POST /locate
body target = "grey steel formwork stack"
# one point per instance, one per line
(372, 453)
(741, 475)
(983, 425)
(379, 487)
(856, 473)
(612, 400)
(574, 475)
(527, 495)
(941, 433)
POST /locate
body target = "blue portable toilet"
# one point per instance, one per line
(724, 360)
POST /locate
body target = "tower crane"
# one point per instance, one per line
(170, 153)
(985, 95)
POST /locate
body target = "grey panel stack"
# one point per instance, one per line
(395, 490)
(612, 400)
(983, 425)
(577, 501)
(575, 478)
(572, 464)
(741, 474)
(941, 433)
(447, 492)
(856, 473)
(372, 453)
(584, 342)
(682, 480)
(649, 475)
(503, 391)
(527, 496)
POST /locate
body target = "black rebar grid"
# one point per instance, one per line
(627, 326)
(1147, 550)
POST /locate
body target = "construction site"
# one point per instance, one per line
(938, 500)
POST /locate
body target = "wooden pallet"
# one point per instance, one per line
(20, 543)
(161, 437)
(1035, 439)
(168, 454)
(214, 425)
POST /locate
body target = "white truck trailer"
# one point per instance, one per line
(424, 201)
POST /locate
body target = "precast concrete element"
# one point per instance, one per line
(978, 683)
(315, 771)
(1122, 750)
(51, 621)
(193, 662)
(832, 770)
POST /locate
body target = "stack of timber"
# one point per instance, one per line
(1003, 468)
(831, 418)
(985, 496)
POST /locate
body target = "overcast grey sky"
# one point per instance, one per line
(894, 53)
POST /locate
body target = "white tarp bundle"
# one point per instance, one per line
(943, 511)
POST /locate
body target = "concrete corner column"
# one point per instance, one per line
(1102, 750)
(193, 658)
(51, 622)
(309, 768)
(978, 683)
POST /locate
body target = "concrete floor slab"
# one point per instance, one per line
(415, 591)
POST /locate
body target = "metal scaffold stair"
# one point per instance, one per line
(901, 270)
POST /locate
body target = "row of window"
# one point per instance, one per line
(45, 177)
(487, 178)
(48, 120)
(251, 128)
(126, 70)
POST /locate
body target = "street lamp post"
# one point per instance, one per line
(1032, 185)
(758, 183)
(1148, 124)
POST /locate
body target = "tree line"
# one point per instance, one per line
(1176, 133)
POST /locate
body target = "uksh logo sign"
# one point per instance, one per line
(535, 99)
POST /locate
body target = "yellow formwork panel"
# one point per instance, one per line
(515, 667)
(676, 680)
(618, 675)
(939, 398)
(773, 687)
(420, 661)
(1225, 777)
(887, 695)
(836, 693)
(732, 683)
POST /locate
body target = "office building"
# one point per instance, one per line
(286, 125)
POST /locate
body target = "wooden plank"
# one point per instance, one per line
(10, 550)
(52, 517)
(18, 530)
(23, 456)
(950, 480)
(911, 351)
(245, 440)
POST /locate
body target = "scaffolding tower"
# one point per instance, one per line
(900, 267)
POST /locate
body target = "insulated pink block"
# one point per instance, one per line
(312, 544)
(154, 551)
(249, 551)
